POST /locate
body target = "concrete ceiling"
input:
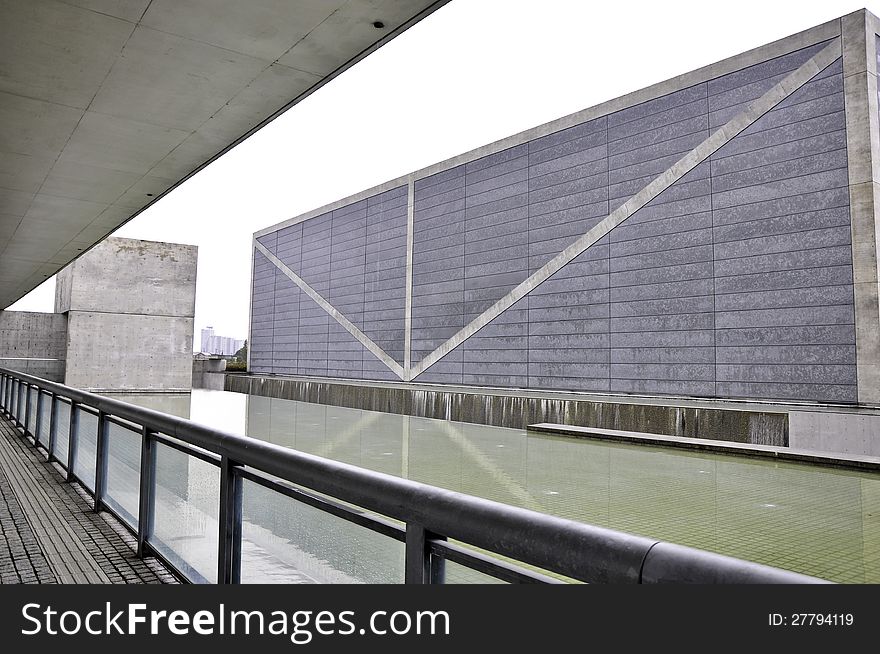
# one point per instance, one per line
(107, 104)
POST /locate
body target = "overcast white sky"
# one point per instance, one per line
(473, 72)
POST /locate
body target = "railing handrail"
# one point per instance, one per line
(567, 547)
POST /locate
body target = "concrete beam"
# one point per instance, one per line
(114, 103)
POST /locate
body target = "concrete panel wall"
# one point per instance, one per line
(34, 343)
(735, 281)
(129, 307)
(829, 431)
(129, 351)
(122, 275)
(209, 374)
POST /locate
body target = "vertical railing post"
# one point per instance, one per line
(145, 504)
(437, 565)
(229, 536)
(53, 424)
(100, 459)
(27, 407)
(38, 422)
(72, 437)
(420, 566)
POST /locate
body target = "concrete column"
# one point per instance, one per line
(858, 31)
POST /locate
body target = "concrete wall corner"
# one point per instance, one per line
(859, 44)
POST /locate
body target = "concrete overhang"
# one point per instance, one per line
(105, 105)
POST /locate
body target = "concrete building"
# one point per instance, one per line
(123, 321)
(129, 306)
(709, 236)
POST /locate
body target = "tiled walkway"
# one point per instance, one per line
(48, 531)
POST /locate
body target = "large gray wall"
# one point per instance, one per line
(736, 281)
(129, 306)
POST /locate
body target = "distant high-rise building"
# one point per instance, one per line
(213, 344)
(207, 334)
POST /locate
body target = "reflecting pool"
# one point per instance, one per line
(815, 520)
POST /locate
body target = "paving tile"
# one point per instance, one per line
(48, 531)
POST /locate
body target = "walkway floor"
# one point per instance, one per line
(48, 531)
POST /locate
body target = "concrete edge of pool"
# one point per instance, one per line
(852, 462)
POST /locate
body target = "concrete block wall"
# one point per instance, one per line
(736, 280)
(129, 306)
(33, 343)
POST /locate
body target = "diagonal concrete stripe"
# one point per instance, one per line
(352, 329)
(688, 162)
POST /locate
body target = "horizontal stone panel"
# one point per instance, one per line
(788, 335)
(794, 373)
(581, 383)
(812, 258)
(785, 279)
(665, 387)
(787, 354)
(568, 134)
(814, 296)
(786, 317)
(788, 391)
(665, 306)
(677, 338)
(663, 355)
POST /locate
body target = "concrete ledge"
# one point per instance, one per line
(865, 463)
(518, 408)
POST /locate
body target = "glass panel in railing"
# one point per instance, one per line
(85, 446)
(460, 574)
(286, 541)
(123, 459)
(62, 430)
(45, 419)
(33, 396)
(20, 402)
(186, 493)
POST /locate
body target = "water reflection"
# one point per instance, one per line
(818, 521)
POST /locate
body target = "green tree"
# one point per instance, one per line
(241, 355)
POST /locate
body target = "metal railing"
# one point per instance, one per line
(74, 425)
